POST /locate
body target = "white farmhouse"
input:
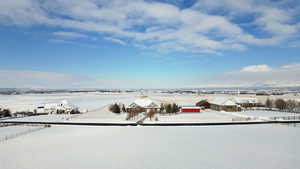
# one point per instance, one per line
(59, 108)
(144, 104)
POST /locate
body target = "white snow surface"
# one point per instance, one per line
(222, 147)
(14, 130)
(102, 115)
(43, 118)
(262, 113)
(192, 117)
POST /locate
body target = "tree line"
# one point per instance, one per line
(169, 108)
(164, 108)
(281, 104)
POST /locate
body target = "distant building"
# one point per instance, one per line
(246, 101)
(224, 104)
(57, 108)
(203, 104)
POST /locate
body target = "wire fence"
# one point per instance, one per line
(21, 133)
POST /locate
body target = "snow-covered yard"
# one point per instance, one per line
(43, 118)
(223, 147)
(101, 116)
(260, 113)
(192, 117)
(267, 115)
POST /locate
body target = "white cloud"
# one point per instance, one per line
(189, 29)
(69, 35)
(275, 19)
(115, 40)
(257, 76)
(256, 68)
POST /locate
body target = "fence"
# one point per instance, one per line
(285, 118)
(21, 133)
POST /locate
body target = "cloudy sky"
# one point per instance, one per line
(149, 43)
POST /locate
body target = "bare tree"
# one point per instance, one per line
(269, 103)
(291, 105)
(280, 104)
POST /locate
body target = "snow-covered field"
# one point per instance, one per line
(97, 103)
(85, 101)
(222, 147)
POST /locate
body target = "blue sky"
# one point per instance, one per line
(149, 44)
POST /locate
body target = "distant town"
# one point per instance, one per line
(295, 91)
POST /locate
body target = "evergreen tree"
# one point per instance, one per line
(123, 108)
(115, 108)
(168, 108)
(162, 108)
(175, 108)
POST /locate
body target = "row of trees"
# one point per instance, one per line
(169, 108)
(164, 108)
(289, 105)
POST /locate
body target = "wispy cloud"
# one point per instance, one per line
(256, 68)
(69, 35)
(65, 41)
(115, 40)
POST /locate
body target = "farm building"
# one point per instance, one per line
(246, 101)
(143, 104)
(190, 109)
(57, 108)
(224, 104)
(203, 104)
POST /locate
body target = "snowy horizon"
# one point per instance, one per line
(149, 44)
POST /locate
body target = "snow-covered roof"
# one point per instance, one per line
(63, 104)
(245, 100)
(144, 102)
(190, 107)
(223, 102)
(67, 104)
